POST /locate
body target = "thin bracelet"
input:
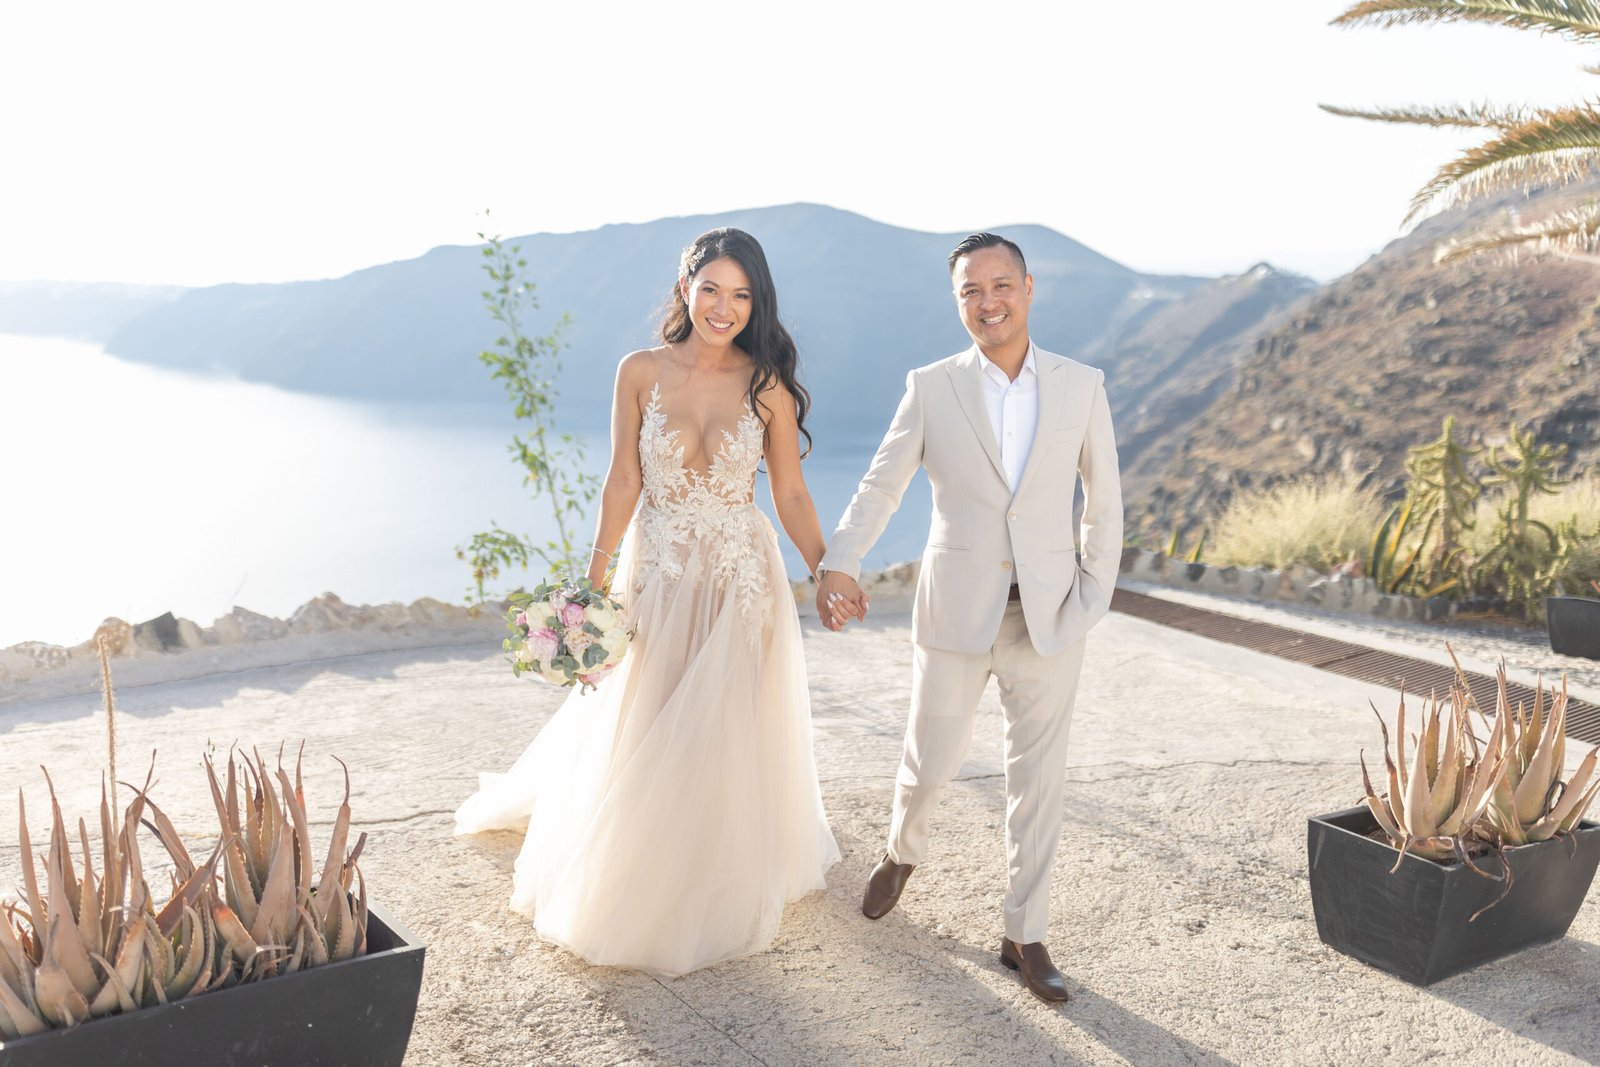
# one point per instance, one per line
(604, 553)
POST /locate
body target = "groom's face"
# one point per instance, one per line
(993, 295)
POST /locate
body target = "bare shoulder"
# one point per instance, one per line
(776, 397)
(638, 372)
(774, 389)
(640, 364)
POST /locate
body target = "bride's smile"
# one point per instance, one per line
(719, 301)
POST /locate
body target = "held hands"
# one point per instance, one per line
(839, 599)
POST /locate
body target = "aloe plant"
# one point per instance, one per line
(92, 943)
(1453, 798)
(1531, 803)
(1436, 797)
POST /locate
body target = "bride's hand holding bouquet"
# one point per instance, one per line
(567, 632)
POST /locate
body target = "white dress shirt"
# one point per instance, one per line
(1013, 412)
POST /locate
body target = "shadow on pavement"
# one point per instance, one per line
(1545, 994)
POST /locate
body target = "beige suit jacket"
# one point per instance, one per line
(979, 526)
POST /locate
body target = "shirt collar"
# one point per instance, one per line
(1029, 367)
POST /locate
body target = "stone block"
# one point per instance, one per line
(326, 614)
(159, 634)
(30, 658)
(242, 624)
(1437, 608)
(1363, 596)
(1152, 567)
(900, 578)
(1223, 580)
(1255, 581)
(393, 615)
(190, 635)
(431, 611)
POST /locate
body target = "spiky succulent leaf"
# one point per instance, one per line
(18, 1009)
(1580, 806)
(1541, 775)
(1378, 806)
(1419, 802)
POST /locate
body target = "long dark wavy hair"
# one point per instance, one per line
(763, 338)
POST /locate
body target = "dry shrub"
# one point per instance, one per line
(1575, 509)
(1313, 522)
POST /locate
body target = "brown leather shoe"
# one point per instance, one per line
(1032, 961)
(883, 887)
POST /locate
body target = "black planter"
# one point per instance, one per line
(1414, 923)
(356, 1012)
(1574, 625)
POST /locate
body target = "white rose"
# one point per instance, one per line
(602, 617)
(615, 642)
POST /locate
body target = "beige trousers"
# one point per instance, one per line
(1036, 696)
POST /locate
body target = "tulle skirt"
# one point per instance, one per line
(671, 813)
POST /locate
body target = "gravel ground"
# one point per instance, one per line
(1180, 906)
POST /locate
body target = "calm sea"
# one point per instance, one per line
(132, 491)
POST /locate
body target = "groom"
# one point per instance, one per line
(1004, 430)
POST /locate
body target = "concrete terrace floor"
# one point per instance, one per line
(1180, 908)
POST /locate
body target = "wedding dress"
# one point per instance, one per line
(672, 813)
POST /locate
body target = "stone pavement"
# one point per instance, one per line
(1180, 908)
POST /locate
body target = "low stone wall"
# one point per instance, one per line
(312, 624)
(1298, 585)
(168, 636)
(168, 647)
(181, 645)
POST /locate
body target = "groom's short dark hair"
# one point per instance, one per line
(978, 241)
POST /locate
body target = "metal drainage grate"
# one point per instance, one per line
(1343, 657)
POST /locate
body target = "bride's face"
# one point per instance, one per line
(719, 300)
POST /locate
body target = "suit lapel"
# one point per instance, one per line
(1052, 401)
(967, 378)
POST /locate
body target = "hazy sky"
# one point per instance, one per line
(209, 142)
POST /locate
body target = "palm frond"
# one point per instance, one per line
(1576, 20)
(1573, 232)
(1555, 146)
(1471, 116)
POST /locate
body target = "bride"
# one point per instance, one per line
(671, 814)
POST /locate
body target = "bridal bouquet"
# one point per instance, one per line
(568, 633)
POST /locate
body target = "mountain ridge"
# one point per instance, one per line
(865, 300)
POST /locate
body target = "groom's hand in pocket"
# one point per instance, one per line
(839, 599)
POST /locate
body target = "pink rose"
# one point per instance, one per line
(578, 643)
(544, 644)
(522, 619)
(572, 616)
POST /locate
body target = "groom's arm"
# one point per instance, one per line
(894, 465)
(1100, 531)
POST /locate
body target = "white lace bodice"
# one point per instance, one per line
(713, 511)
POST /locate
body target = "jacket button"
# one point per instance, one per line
(1005, 564)
(1012, 516)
